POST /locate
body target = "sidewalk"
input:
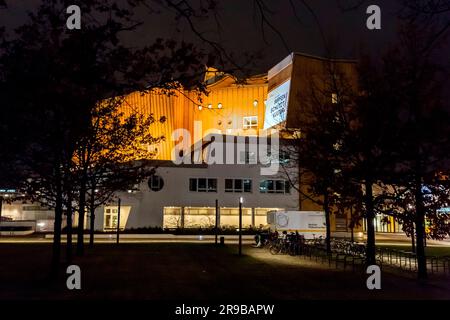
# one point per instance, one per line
(134, 238)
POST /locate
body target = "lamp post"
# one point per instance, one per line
(217, 220)
(241, 200)
(118, 222)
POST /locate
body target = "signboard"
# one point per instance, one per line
(277, 104)
(310, 224)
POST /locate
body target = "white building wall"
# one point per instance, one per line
(147, 206)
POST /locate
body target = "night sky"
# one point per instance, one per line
(240, 27)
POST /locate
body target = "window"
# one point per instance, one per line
(192, 184)
(238, 185)
(247, 185)
(111, 218)
(202, 185)
(334, 98)
(155, 183)
(247, 157)
(250, 122)
(275, 186)
(282, 157)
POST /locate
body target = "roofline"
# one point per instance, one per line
(324, 58)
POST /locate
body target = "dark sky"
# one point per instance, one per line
(241, 30)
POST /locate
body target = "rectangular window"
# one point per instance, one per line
(250, 122)
(238, 185)
(202, 185)
(275, 186)
(192, 184)
(270, 186)
(334, 98)
(247, 157)
(279, 186)
(247, 185)
(228, 185)
(212, 185)
(287, 187)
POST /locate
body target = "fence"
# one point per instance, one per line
(346, 253)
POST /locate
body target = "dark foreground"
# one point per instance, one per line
(174, 271)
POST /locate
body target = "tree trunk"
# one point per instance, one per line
(92, 219)
(352, 227)
(1, 208)
(69, 244)
(81, 213)
(413, 239)
(420, 230)
(370, 217)
(56, 248)
(326, 208)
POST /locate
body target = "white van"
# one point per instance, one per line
(310, 224)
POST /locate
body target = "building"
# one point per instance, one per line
(185, 195)
(232, 109)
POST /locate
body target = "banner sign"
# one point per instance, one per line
(277, 103)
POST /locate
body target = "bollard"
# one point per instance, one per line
(222, 241)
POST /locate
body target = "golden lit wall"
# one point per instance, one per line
(182, 108)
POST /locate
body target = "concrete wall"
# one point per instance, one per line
(147, 206)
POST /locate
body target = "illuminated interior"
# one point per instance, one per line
(192, 217)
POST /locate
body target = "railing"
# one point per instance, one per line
(406, 260)
(347, 253)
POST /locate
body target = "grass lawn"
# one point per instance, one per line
(169, 271)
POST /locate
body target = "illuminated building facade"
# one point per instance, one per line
(185, 195)
(188, 192)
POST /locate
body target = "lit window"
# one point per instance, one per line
(110, 218)
(250, 122)
(334, 98)
(275, 186)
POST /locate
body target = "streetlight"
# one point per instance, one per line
(241, 200)
(217, 220)
(118, 221)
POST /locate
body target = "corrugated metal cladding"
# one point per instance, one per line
(182, 110)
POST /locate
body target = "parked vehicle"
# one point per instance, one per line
(309, 224)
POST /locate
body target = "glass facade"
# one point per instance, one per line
(204, 217)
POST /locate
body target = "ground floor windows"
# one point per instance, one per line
(341, 222)
(202, 185)
(275, 186)
(385, 223)
(204, 217)
(111, 217)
